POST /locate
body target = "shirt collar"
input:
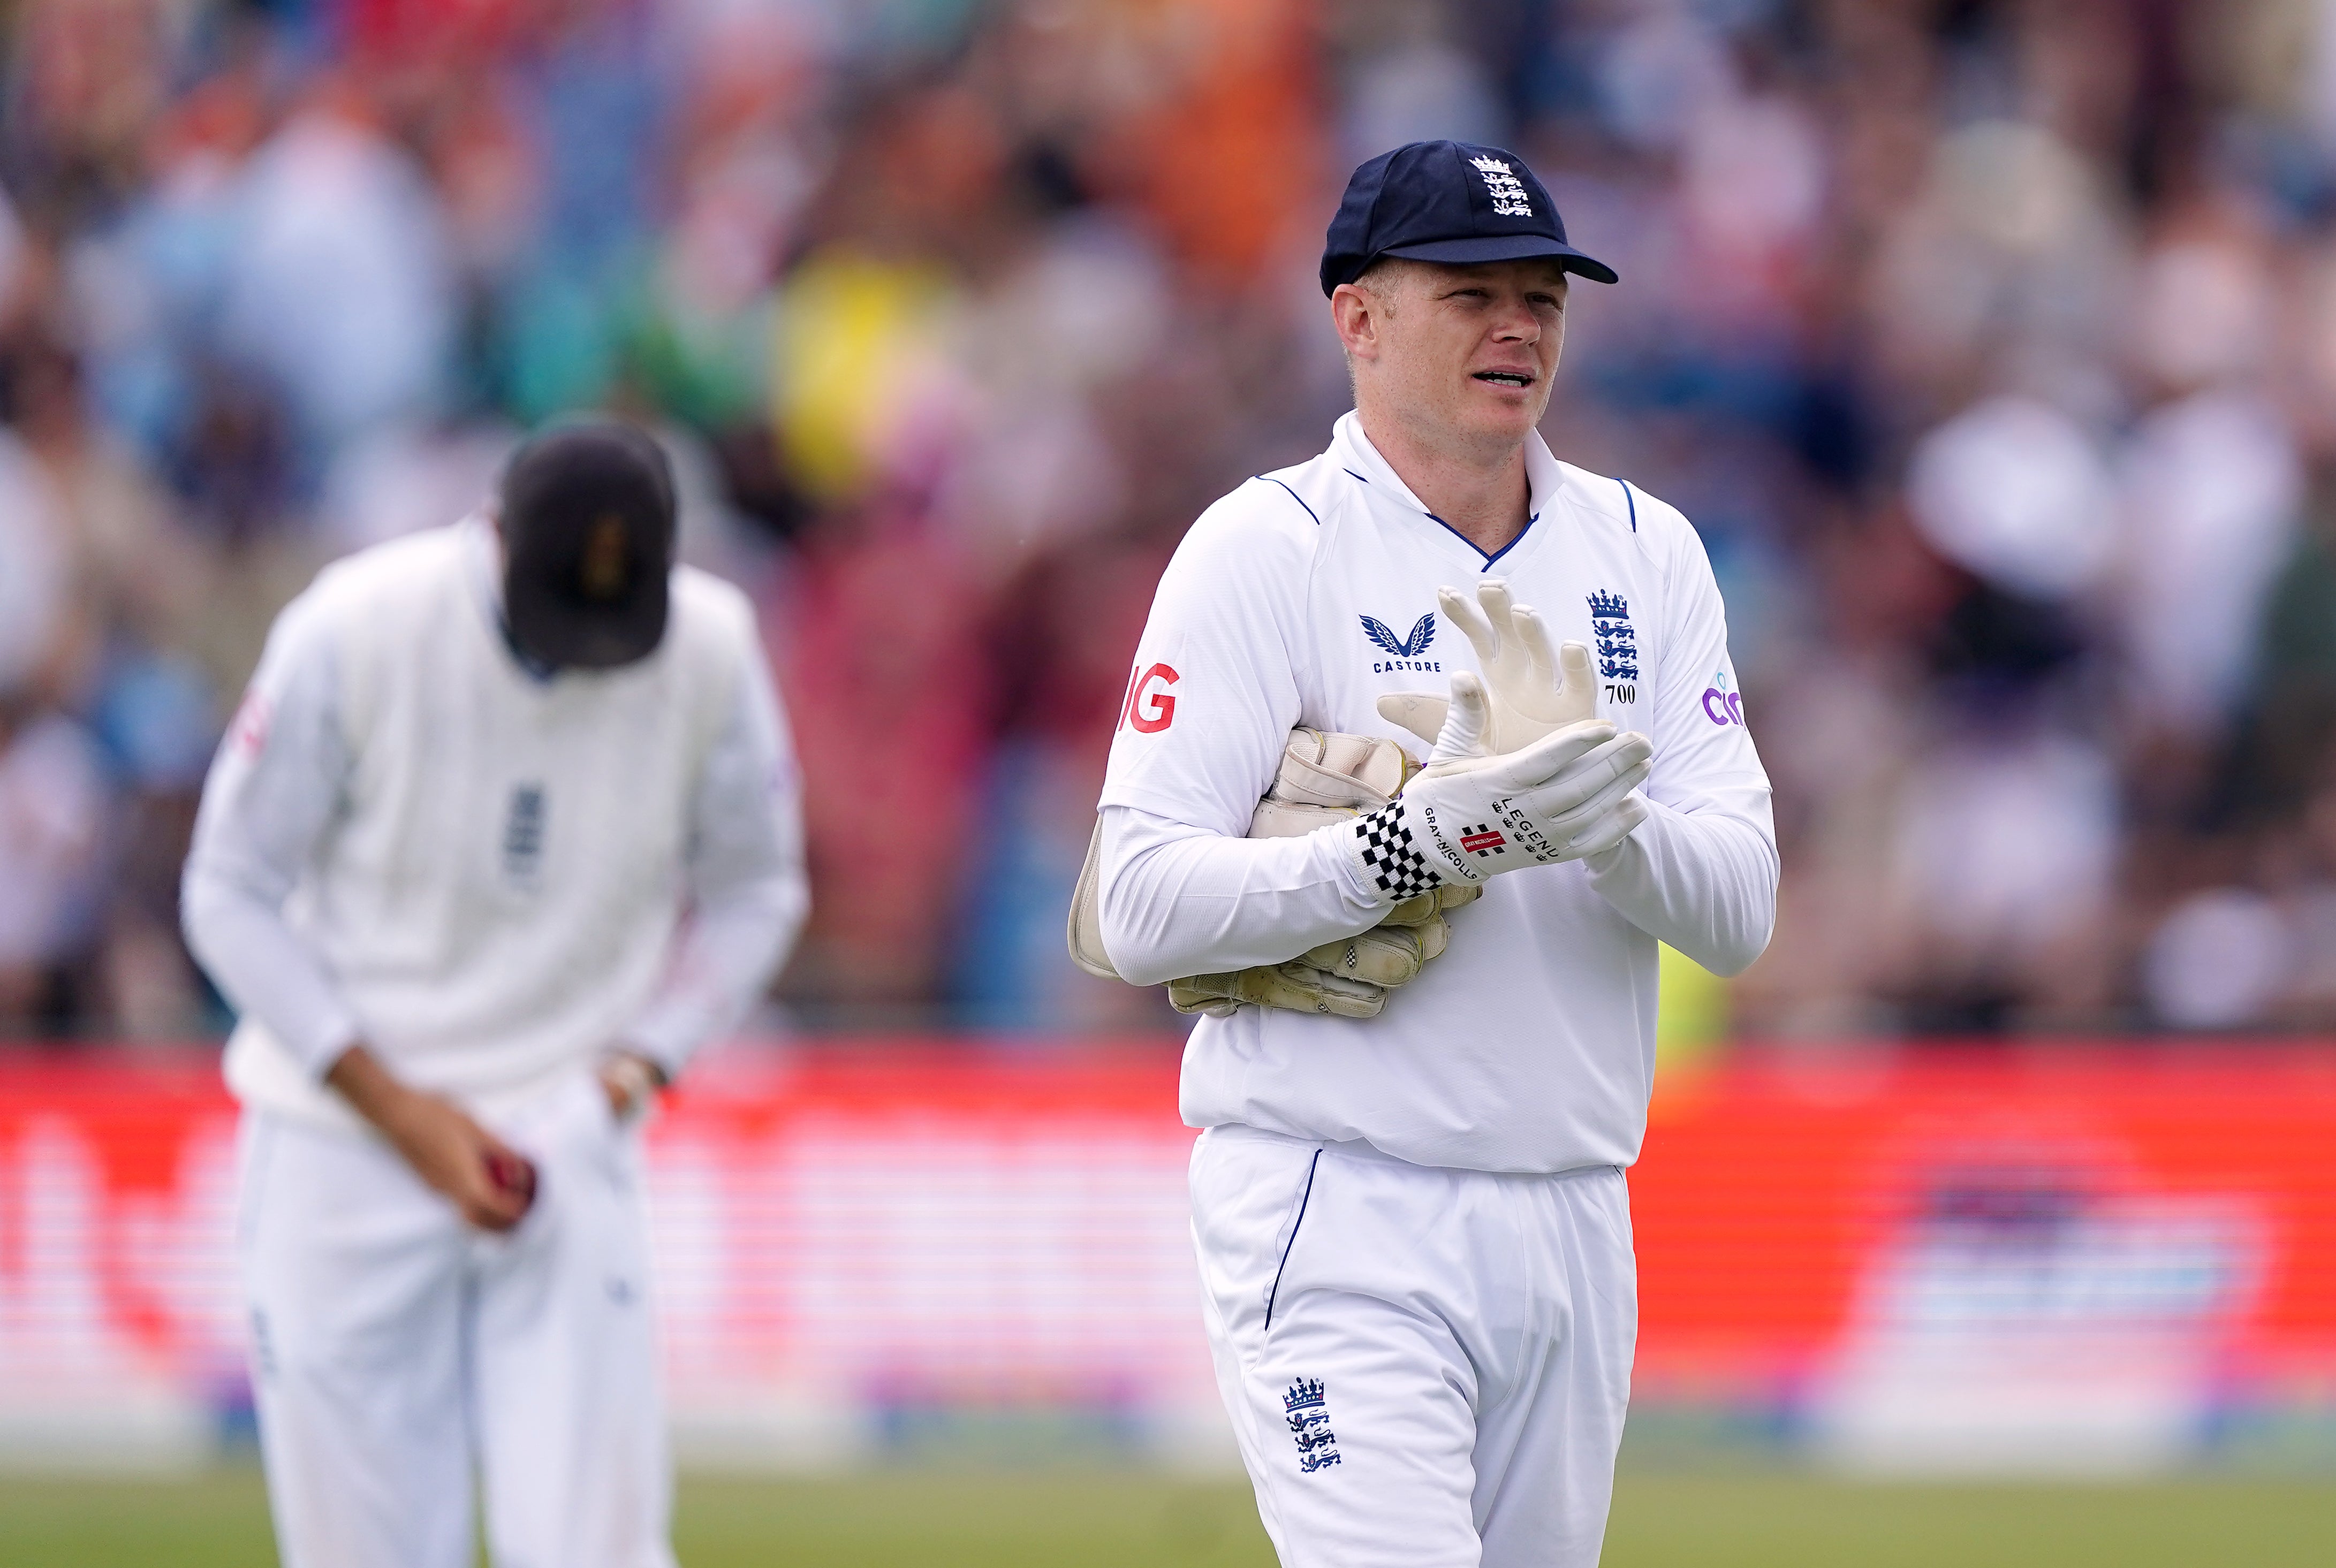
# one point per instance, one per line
(479, 562)
(1355, 454)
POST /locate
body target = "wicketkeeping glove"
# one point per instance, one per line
(1472, 814)
(1324, 779)
(1535, 689)
(1349, 978)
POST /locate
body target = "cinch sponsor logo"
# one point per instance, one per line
(1720, 705)
(1148, 705)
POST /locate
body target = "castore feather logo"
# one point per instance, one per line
(1407, 650)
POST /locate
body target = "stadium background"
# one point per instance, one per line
(1990, 344)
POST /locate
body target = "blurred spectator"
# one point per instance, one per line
(2004, 872)
(2015, 492)
(402, 476)
(339, 289)
(2219, 960)
(12, 259)
(52, 809)
(34, 573)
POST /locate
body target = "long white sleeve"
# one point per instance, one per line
(747, 887)
(1180, 900)
(1703, 882)
(273, 790)
(1700, 873)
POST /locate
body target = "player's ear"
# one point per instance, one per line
(1355, 314)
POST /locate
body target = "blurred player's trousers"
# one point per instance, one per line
(1425, 1368)
(396, 1348)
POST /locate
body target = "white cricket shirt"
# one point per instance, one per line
(487, 876)
(1303, 597)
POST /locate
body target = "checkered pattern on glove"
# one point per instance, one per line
(1468, 815)
(1390, 860)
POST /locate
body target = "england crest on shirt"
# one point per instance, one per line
(1615, 642)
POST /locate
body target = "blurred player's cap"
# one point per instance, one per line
(587, 526)
(1450, 201)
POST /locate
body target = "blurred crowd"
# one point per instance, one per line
(1990, 344)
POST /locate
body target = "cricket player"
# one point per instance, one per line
(506, 827)
(1412, 1229)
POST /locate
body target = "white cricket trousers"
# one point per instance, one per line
(396, 1351)
(1425, 1368)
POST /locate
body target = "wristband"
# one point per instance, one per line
(1392, 862)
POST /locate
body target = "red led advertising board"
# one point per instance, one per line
(2085, 1256)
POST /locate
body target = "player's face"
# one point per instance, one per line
(1472, 349)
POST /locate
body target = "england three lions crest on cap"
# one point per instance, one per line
(1508, 192)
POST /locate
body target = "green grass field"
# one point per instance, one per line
(1070, 1520)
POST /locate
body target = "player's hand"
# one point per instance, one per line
(1472, 814)
(1534, 687)
(492, 1183)
(630, 1081)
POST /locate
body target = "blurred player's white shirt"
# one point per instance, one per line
(410, 840)
(1529, 1046)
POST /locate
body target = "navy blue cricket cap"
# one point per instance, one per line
(587, 521)
(1450, 201)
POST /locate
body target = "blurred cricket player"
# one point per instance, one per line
(1408, 1204)
(506, 827)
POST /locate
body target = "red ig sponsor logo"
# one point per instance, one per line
(1149, 705)
(247, 732)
